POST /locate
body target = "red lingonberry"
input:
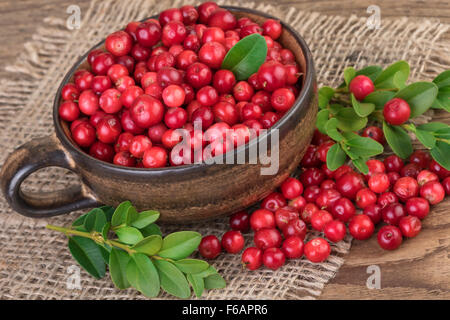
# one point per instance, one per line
(267, 238)
(410, 226)
(308, 211)
(291, 188)
(240, 221)
(273, 258)
(293, 247)
(361, 227)
(155, 157)
(209, 247)
(365, 197)
(69, 111)
(327, 198)
(232, 241)
(393, 163)
(386, 198)
(102, 151)
(84, 134)
(406, 187)
(124, 158)
(379, 182)
(273, 201)
(320, 218)
(282, 99)
(252, 258)
(284, 215)
(349, 184)
(361, 86)
(335, 230)
(317, 250)
(433, 191)
(139, 145)
(272, 28)
(375, 133)
(392, 213)
(389, 237)
(295, 227)
(396, 111)
(373, 211)
(261, 219)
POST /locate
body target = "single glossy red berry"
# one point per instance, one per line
(349, 184)
(379, 182)
(343, 209)
(88, 102)
(410, 226)
(282, 99)
(308, 211)
(311, 157)
(433, 191)
(392, 213)
(205, 10)
(322, 151)
(101, 83)
(267, 238)
(342, 170)
(224, 81)
(212, 54)
(173, 33)
(198, 75)
(373, 211)
(84, 134)
(155, 157)
(418, 207)
(446, 185)
(129, 95)
(406, 187)
(83, 79)
(252, 258)
(439, 170)
(232, 241)
(273, 201)
(311, 193)
(243, 91)
(396, 111)
(375, 133)
(365, 197)
(295, 227)
(123, 142)
(320, 218)
(261, 219)
(127, 61)
(108, 129)
(148, 34)
(225, 112)
(298, 203)
(273, 258)
(96, 117)
(375, 166)
(110, 101)
(209, 247)
(69, 111)
(361, 86)
(272, 75)
(317, 250)
(361, 227)
(386, 198)
(70, 92)
(312, 177)
(139, 145)
(102, 151)
(291, 188)
(250, 29)
(240, 221)
(190, 14)
(293, 247)
(124, 158)
(328, 183)
(129, 125)
(327, 198)
(284, 215)
(425, 176)
(168, 75)
(102, 63)
(272, 28)
(146, 111)
(393, 177)
(420, 158)
(389, 237)
(119, 43)
(222, 19)
(335, 231)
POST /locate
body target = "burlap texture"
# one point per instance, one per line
(34, 262)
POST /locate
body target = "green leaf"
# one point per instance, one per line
(150, 230)
(173, 281)
(443, 133)
(379, 98)
(80, 220)
(443, 99)
(335, 157)
(398, 140)
(105, 251)
(95, 220)
(370, 71)
(441, 153)
(149, 245)
(118, 262)
(361, 165)
(179, 245)
(129, 235)
(432, 126)
(394, 76)
(145, 218)
(331, 129)
(197, 284)
(322, 118)
(426, 138)
(119, 216)
(86, 252)
(334, 108)
(443, 79)
(419, 95)
(105, 230)
(191, 265)
(131, 216)
(348, 120)
(349, 74)
(325, 95)
(362, 109)
(362, 146)
(215, 281)
(246, 56)
(142, 275)
(109, 211)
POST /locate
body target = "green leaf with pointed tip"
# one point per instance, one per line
(197, 284)
(361, 165)
(149, 245)
(215, 281)
(179, 245)
(131, 216)
(348, 120)
(432, 126)
(173, 281)
(441, 153)
(246, 56)
(95, 220)
(105, 230)
(335, 157)
(362, 109)
(80, 220)
(142, 275)
(105, 251)
(443, 133)
(419, 95)
(426, 138)
(151, 229)
(118, 262)
(443, 99)
(119, 216)
(325, 94)
(398, 140)
(379, 98)
(331, 129)
(145, 218)
(334, 108)
(394, 76)
(109, 211)
(371, 72)
(362, 146)
(321, 120)
(191, 265)
(443, 79)
(86, 252)
(129, 235)
(349, 74)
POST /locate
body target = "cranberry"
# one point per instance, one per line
(308, 211)
(155, 157)
(389, 237)
(102, 151)
(361, 227)
(425, 176)
(139, 145)
(272, 28)
(222, 19)
(418, 207)
(148, 34)
(190, 14)
(374, 133)
(267, 238)
(312, 177)
(240, 221)
(101, 83)
(375, 166)
(173, 33)
(282, 99)
(88, 102)
(108, 129)
(295, 227)
(84, 134)
(68, 111)
(343, 209)
(323, 150)
(205, 10)
(101, 63)
(379, 182)
(284, 215)
(406, 187)
(129, 95)
(232, 241)
(393, 177)
(225, 112)
(342, 170)
(128, 124)
(110, 101)
(70, 92)
(298, 203)
(293, 247)
(439, 170)
(209, 247)
(327, 198)
(361, 86)
(335, 230)
(396, 111)
(146, 111)
(127, 62)
(272, 75)
(273, 258)
(252, 258)
(320, 218)
(373, 211)
(198, 75)
(386, 198)
(310, 158)
(349, 184)
(365, 197)
(433, 191)
(273, 201)
(392, 213)
(291, 188)
(410, 226)
(124, 158)
(168, 75)
(446, 185)
(123, 142)
(261, 219)
(317, 250)
(243, 91)
(250, 29)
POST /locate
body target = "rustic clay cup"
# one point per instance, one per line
(182, 194)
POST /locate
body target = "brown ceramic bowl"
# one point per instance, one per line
(181, 194)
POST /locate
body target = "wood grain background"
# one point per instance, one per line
(420, 269)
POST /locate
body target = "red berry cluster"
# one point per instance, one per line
(161, 75)
(393, 192)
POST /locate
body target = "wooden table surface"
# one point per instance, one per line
(420, 269)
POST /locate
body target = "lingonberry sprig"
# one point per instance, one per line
(132, 246)
(373, 95)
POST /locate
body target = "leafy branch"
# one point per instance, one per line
(341, 116)
(132, 246)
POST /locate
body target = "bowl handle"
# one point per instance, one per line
(34, 155)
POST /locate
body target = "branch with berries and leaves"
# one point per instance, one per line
(132, 246)
(376, 96)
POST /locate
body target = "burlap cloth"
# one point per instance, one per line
(35, 263)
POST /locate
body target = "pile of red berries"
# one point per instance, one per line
(395, 193)
(161, 75)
